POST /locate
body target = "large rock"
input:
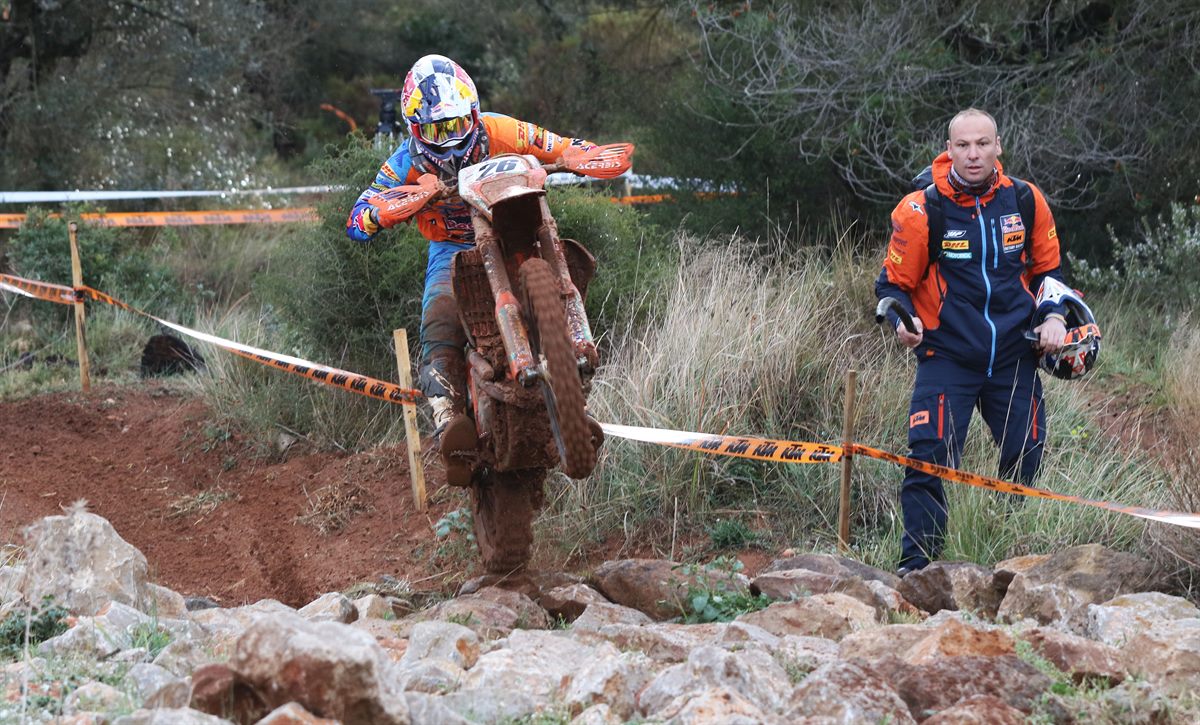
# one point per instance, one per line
(81, 562)
(978, 710)
(1083, 659)
(1058, 590)
(846, 692)
(831, 616)
(330, 607)
(886, 602)
(792, 584)
(838, 566)
(170, 716)
(662, 642)
(293, 714)
(872, 644)
(1119, 619)
(933, 686)
(96, 697)
(954, 585)
(333, 670)
(718, 705)
(600, 614)
(567, 603)
(753, 674)
(613, 681)
(539, 664)
(491, 613)
(952, 638)
(442, 640)
(1167, 654)
(660, 588)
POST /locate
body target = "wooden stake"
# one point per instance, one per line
(85, 376)
(847, 463)
(416, 468)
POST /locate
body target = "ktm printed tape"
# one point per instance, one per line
(759, 449)
(801, 452)
(353, 382)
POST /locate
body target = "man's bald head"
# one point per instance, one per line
(969, 113)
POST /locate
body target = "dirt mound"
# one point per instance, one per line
(212, 518)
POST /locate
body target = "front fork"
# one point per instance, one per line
(508, 311)
(577, 321)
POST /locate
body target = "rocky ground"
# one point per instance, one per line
(1079, 635)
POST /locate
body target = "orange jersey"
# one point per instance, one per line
(449, 220)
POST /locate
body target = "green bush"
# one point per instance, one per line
(113, 260)
(1160, 270)
(48, 621)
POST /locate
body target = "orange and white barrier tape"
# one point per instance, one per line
(759, 449)
(182, 218)
(1177, 518)
(353, 382)
(783, 451)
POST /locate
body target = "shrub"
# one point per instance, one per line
(1159, 270)
(47, 621)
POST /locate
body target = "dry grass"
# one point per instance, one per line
(331, 507)
(198, 505)
(759, 344)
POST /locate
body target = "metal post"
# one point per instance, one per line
(416, 468)
(847, 463)
(85, 377)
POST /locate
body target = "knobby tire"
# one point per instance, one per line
(561, 384)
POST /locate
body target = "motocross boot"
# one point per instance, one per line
(443, 380)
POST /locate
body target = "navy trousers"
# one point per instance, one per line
(944, 396)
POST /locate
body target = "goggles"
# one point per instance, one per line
(446, 132)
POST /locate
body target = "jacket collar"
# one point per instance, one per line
(941, 177)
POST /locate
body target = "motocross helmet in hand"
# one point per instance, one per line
(441, 107)
(1082, 344)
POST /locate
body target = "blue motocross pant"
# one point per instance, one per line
(442, 368)
(943, 399)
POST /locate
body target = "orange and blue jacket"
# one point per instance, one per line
(449, 220)
(974, 299)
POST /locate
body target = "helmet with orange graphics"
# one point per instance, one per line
(441, 107)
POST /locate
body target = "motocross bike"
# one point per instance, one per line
(530, 352)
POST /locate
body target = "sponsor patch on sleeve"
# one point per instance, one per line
(1054, 232)
(894, 256)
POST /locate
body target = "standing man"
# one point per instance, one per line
(965, 257)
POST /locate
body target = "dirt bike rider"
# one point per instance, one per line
(447, 132)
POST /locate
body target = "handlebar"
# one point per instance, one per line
(893, 304)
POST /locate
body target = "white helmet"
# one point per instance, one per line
(1082, 344)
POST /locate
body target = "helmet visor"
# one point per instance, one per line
(446, 132)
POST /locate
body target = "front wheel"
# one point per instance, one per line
(561, 384)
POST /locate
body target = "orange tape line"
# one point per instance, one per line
(181, 218)
(995, 484)
(353, 382)
(758, 449)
